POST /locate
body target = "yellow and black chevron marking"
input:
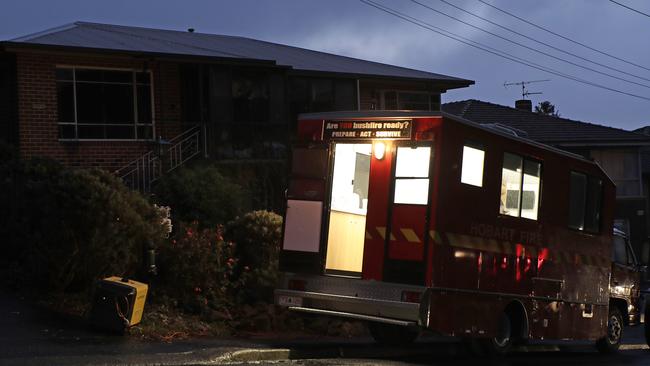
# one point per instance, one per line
(492, 246)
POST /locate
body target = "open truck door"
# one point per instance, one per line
(302, 236)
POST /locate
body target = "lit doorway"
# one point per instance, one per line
(348, 209)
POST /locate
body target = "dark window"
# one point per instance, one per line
(250, 96)
(405, 100)
(577, 201)
(593, 204)
(585, 202)
(345, 95)
(322, 95)
(104, 104)
(621, 252)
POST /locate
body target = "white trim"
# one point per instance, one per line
(105, 140)
(133, 83)
(80, 66)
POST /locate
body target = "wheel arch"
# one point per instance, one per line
(518, 316)
(621, 305)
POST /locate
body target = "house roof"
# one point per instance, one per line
(543, 128)
(169, 42)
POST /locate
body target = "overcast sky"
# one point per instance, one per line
(351, 28)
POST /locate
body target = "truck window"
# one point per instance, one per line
(412, 175)
(520, 183)
(594, 201)
(619, 254)
(585, 200)
(472, 166)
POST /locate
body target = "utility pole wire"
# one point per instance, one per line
(627, 7)
(530, 48)
(564, 37)
(491, 50)
(542, 43)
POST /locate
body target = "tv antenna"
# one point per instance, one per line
(524, 92)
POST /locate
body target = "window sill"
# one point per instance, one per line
(103, 140)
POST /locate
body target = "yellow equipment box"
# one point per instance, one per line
(118, 303)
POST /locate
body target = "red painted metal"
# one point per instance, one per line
(478, 262)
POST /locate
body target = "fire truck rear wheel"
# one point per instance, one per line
(392, 334)
(612, 341)
(502, 343)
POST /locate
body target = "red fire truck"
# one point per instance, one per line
(424, 220)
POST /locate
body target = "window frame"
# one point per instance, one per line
(524, 159)
(395, 178)
(588, 178)
(134, 85)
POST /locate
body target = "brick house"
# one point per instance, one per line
(617, 151)
(105, 96)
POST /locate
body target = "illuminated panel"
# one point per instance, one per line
(472, 169)
(303, 226)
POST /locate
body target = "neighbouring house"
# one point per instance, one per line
(141, 101)
(617, 151)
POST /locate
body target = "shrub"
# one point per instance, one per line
(201, 194)
(257, 237)
(200, 270)
(65, 228)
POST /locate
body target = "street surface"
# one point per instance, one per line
(431, 352)
(32, 336)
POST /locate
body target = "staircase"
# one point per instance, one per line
(142, 172)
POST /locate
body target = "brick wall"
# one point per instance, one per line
(37, 110)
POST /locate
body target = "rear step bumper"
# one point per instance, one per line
(361, 308)
(341, 314)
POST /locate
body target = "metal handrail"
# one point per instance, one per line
(140, 173)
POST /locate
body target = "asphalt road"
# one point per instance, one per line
(565, 357)
(634, 352)
(30, 336)
(562, 358)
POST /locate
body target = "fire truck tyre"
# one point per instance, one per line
(501, 344)
(611, 342)
(392, 334)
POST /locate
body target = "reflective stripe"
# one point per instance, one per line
(382, 232)
(410, 235)
(496, 246)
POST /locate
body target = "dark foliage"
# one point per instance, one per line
(62, 228)
(202, 194)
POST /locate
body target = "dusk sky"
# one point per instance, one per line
(352, 28)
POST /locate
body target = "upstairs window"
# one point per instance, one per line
(520, 186)
(412, 175)
(104, 104)
(250, 97)
(472, 167)
(585, 200)
(410, 100)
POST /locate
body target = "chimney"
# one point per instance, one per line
(524, 105)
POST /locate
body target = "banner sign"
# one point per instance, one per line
(392, 129)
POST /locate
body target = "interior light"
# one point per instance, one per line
(380, 150)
